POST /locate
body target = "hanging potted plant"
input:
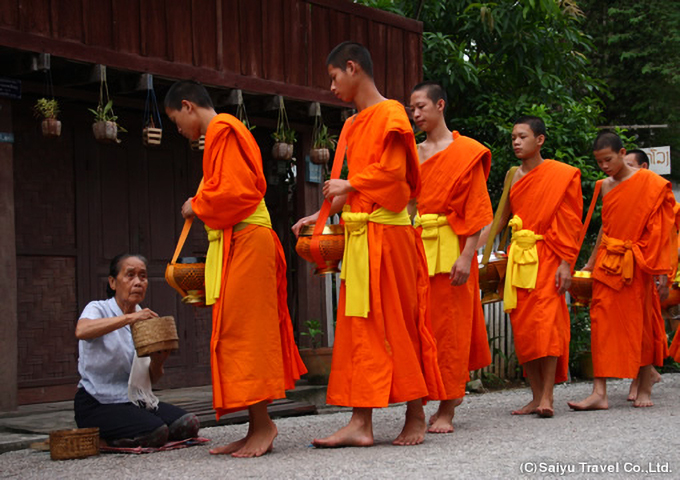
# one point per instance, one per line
(105, 127)
(48, 109)
(322, 144)
(152, 133)
(284, 136)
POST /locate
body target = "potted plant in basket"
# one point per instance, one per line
(105, 126)
(48, 109)
(317, 359)
(322, 144)
(284, 136)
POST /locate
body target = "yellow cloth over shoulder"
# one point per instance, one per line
(355, 260)
(215, 257)
(522, 270)
(441, 244)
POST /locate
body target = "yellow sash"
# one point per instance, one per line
(355, 261)
(214, 258)
(441, 244)
(618, 258)
(522, 270)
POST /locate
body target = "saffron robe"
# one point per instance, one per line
(253, 355)
(627, 329)
(391, 355)
(548, 199)
(674, 349)
(454, 185)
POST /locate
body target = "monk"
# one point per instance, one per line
(627, 336)
(254, 359)
(638, 159)
(453, 206)
(384, 350)
(546, 201)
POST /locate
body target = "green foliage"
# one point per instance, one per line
(314, 332)
(104, 113)
(323, 139)
(580, 335)
(283, 133)
(46, 108)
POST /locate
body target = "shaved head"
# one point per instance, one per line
(351, 51)
(434, 90)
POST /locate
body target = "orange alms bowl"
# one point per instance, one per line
(581, 289)
(331, 246)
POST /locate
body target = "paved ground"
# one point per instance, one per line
(488, 443)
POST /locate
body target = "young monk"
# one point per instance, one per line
(637, 159)
(453, 206)
(633, 254)
(546, 201)
(384, 351)
(253, 356)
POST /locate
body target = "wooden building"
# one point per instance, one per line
(68, 205)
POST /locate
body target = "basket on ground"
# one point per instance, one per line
(331, 247)
(75, 443)
(154, 335)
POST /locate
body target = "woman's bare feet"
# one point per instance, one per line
(442, 421)
(357, 433)
(414, 429)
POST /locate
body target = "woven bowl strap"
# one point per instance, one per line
(338, 160)
(499, 214)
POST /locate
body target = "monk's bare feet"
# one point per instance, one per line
(357, 433)
(258, 442)
(230, 448)
(545, 409)
(593, 402)
(643, 401)
(527, 409)
(442, 421)
(633, 392)
(414, 429)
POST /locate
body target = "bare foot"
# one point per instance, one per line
(353, 435)
(593, 402)
(442, 421)
(414, 429)
(633, 392)
(643, 401)
(258, 442)
(230, 448)
(527, 409)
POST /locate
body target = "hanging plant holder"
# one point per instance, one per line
(47, 106)
(198, 145)
(241, 111)
(284, 136)
(322, 141)
(105, 127)
(152, 133)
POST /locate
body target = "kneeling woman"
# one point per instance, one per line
(106, 357)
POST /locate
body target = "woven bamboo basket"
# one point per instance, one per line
(581, 289)
(75, 443)
(332, 247)
(154, 335)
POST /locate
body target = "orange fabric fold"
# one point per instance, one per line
(454, 184)
(549, 201)
(253, 355)
(391, 355)
(627, 329)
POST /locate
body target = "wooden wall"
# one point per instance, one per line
(262, 46)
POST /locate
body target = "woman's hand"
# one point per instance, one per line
(336, 187)
(143, 314)
(304, 221)
(187, 210)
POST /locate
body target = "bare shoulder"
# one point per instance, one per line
(424, 151)
(607, 185)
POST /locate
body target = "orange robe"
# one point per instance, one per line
(390, 356)
(674, 350)
(253, 355)
(627, 330)
(454, 184)
(549, 201)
